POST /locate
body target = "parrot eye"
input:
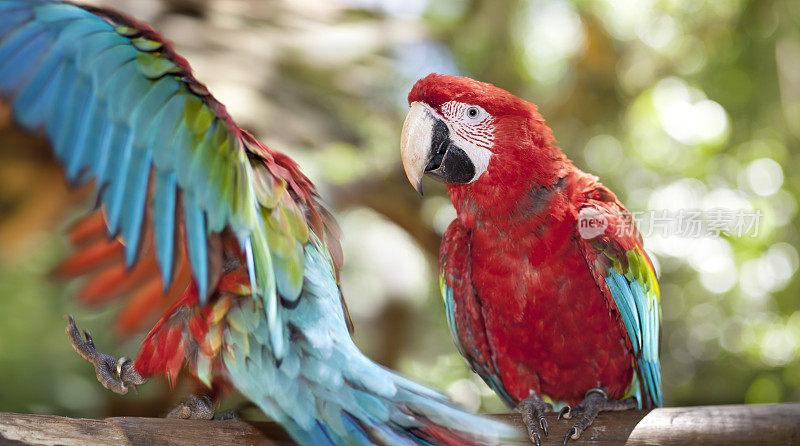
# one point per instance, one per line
(474, 113)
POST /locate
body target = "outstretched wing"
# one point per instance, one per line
(624, 273)
(464, 315)
(173, 172)
(120, 107)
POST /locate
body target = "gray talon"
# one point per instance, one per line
(532, 410)
(595, 401)
(114, 374)
(194, 408)
(570, 434)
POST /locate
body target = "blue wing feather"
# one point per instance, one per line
(640, 313)
(11, 16)
(60, 109)
(96, 141)
(133, 209)
(119, 162)
(18, 39)
(164, 197)
(76, 124)
(99, 154)
(18, 66)
(196, 236)
(625, 303)
(33, 102)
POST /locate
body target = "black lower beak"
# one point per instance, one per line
(449, 163)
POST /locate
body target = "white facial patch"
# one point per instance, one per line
(472, 129)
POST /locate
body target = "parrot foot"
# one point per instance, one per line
(532, 410)
(194, 408)
(114, 374)
(595, 401)
(200, 408)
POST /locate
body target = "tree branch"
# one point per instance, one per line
(776, 424)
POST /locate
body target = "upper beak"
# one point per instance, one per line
(415, 143)
(427, 148)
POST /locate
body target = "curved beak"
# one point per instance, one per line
(427, 149)
(415, 141)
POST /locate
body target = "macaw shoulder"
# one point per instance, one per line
(561, 201)
(586, 189)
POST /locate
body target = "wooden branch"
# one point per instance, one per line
(755, 424)
(25, 429)
(777, 424)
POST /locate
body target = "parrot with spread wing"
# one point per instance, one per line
(548, 291)
(197, 220)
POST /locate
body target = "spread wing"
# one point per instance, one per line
(171, 169)
(625, 275)
(174, 175)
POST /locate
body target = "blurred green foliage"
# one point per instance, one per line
(675, 104)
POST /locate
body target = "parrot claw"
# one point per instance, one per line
(571, 434)
(194, 408)
(116, 375)
(532, 410)
(200, 408)
(566, 412)
(595, 401)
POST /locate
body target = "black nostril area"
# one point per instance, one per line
(435, 163)
(440, 142)
(437, 159)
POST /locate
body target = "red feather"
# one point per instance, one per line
(529, 312)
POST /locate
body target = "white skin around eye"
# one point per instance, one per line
(471, 128)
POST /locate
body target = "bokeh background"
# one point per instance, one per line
(675, 104)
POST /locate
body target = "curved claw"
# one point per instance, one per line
(114, 374)
(595, 401)
(532, 410)
(194, 408)
(571, 433)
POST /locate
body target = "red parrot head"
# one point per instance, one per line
(480, 140)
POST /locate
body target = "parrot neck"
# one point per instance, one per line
(518, 194)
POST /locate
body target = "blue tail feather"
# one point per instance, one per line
(354, 400)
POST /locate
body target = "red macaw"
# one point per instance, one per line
(548, 290)
(200, 221)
